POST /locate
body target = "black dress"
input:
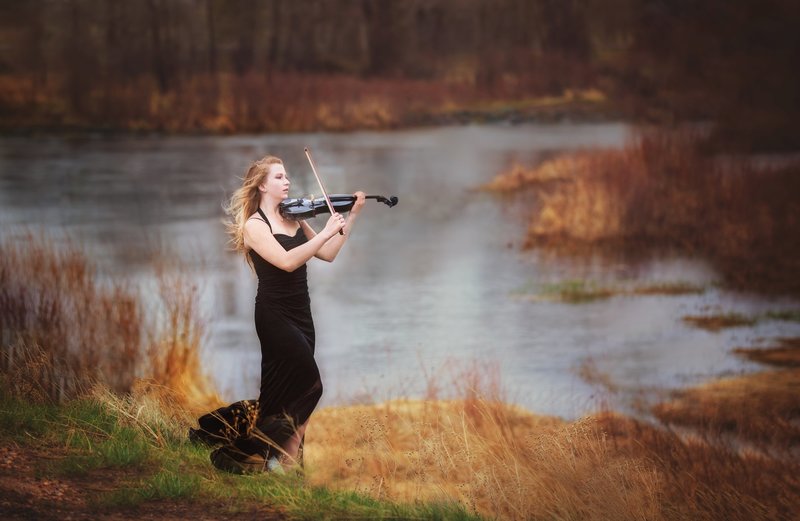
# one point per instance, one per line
(290, 382)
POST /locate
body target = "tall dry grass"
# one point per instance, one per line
(704, 476)
(507, 463)
(64, 329)
(662, 191)
(495, 459)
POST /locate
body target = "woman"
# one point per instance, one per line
(268, 433)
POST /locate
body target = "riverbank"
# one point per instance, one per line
(116, 457)
(126, 456)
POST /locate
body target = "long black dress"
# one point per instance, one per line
(290, 382)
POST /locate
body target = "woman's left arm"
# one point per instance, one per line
(331, 248)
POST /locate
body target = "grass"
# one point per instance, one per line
(402, 459)
(785, 354)
(47, 290)
(90, 435)
(760, 408)
(578, 291)
(716, 322)
(788, 315)
(663, 192)
(719, 321)
(446, 459)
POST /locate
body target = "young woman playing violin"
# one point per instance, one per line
(268, 433)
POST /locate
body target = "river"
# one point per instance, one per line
(419, 292)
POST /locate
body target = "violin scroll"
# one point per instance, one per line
(391, 201)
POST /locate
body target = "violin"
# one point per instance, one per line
(300, 209)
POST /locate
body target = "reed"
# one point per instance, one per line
(663, 192)
(785, 354)
(719, 321)
(61, 329)
(760, 408)
(494, 458)
(504, 462)
(64, 329)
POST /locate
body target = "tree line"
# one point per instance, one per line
(661, 59)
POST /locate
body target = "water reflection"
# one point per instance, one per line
(417, 286)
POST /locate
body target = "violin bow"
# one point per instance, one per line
(324, 193)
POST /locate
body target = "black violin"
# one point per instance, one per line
(300, 209)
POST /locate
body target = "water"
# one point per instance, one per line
(418, 292)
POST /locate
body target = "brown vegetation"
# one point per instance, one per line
(662, 192)
(785, 354)
(761, 407)
(64, 329)
(505, 462)
(718, 322)
(280, 102)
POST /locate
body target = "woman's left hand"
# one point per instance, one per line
(360, 200)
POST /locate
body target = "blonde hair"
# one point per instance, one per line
(244, 202)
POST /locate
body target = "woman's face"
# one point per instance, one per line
(277, 182)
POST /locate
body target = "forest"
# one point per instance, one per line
(277, 65)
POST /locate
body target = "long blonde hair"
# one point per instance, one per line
(244, 202)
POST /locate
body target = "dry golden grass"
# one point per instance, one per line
(58, 321)
(785, 354)
(519, 176)
(661, 191)
(496, 459)
(761, 408)
(720, 321)
(507, 463)
(705, 477)
(64, 330)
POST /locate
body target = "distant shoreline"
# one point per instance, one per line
(501, 112)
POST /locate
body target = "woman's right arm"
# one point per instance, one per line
(258, 236)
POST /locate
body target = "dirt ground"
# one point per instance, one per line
(26, 493)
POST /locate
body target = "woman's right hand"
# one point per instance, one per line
(334, 224)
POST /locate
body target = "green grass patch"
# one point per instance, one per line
(668, 288)
(318, 503)
(93, 437)
(122, 447)
(21, 421)
(789, 315)
(170, 484)
(577, 291)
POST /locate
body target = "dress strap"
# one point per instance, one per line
(265, 218)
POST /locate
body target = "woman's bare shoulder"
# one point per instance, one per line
(254, 217)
